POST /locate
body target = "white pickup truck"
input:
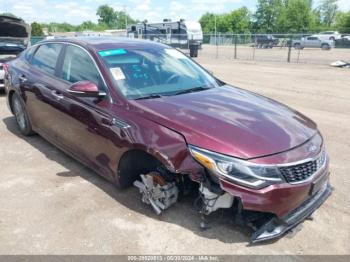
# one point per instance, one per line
(313, 42)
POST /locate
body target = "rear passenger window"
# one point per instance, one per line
(79, 66)
(46, 57)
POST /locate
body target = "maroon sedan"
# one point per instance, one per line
(141, 113)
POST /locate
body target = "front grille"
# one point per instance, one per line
(300, 172)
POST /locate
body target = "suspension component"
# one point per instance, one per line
(212, 201)
(157, 192)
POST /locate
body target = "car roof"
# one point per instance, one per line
(105, 43)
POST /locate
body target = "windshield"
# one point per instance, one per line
(151, 73)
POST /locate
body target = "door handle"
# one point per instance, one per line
(22, 78)
(58, 96)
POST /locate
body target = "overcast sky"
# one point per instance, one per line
(76, 11)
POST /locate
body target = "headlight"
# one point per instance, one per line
(238, 171)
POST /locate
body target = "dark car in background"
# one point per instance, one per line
(265, 41)
(144, 114)
(14, 38)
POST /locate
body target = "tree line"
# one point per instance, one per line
(108, 19)
(271, 16)
(280, 16)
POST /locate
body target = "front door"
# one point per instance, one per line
(312, 42)
(84, 124)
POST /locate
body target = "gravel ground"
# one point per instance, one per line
(51, 204)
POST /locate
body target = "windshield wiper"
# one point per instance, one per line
(192, 90)
(149, 97)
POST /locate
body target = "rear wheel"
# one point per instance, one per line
(193, 51)
(325, 47)
(21, 116)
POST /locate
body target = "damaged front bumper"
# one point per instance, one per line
(276, 227)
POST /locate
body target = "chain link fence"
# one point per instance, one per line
(292, 48)
(296, 48)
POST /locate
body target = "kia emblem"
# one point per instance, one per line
(312, 148)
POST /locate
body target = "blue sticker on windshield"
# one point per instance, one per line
(111, 52)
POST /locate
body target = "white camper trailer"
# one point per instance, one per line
(180, 34)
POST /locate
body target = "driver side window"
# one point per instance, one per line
(78, 66)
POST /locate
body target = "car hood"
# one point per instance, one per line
(14, 35)
(231, 121)
(13, 27)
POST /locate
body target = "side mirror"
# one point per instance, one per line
(85, 89)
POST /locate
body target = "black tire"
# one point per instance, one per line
(297, 46)
(325, 47)
(191, 53)
(21, 116)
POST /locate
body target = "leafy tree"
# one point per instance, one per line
(207, 22)
(37, 29)
(315, 23)
(295, 16)
(328, 9)
(222, 23)
(239, 21)
(113, 19)
(343, 22)
(124, 19)
(267, 14)
(86, 25)
(91, 26)
(107, 16)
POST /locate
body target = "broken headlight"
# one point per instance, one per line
(236, 170)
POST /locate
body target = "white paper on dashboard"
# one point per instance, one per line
(117, 73)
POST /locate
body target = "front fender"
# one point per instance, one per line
(166, 145)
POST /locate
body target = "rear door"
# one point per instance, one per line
(39, 84)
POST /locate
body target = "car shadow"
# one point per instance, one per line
(221, 225)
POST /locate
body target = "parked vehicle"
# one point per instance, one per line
(329, 35)
(180, 34)
(313, 42)
(14, 38)
(265, 41)
(141, 113)
(345, 37)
